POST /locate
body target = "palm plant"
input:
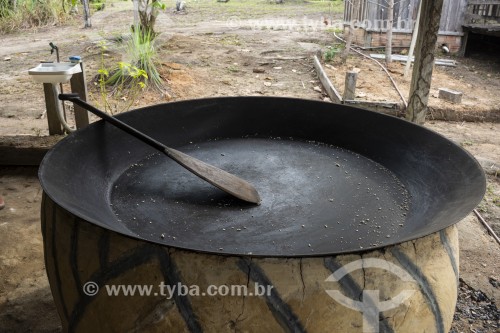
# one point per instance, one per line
(141, 53)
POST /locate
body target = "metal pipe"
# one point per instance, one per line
(58, 110)
(487, 226)
(52, 48)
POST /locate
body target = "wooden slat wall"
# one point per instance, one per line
(452, 15)
(374, 10)
(484, 12)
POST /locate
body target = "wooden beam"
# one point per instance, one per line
(325, 81)
(392, 108)
(78, 85)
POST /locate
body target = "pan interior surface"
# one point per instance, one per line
(314, 197)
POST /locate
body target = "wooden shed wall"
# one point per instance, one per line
(373, 13)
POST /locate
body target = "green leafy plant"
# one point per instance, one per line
(141, 53)
(126, 86)
(331, 53)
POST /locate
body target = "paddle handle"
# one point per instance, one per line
(222, 179)
(118, 123)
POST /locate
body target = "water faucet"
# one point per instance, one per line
(52, 48)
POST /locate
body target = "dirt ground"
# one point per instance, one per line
(215, 49)
(479, 81)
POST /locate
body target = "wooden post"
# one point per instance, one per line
(350, 35)
(350, 86)
(413, 42)
(55, 126)
(463, 44)
(424, 60)
(390, 23)
(78, 85)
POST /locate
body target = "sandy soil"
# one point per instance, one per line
(210, 57)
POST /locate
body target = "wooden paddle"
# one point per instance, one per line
(219, 178)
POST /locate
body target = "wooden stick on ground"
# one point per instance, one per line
(487, 226)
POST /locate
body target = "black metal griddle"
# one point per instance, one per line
(333, 179)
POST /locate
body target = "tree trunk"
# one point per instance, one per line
(390, 23)
(146, 12)
(136, 12)
(86, 13)
(350, 35)
(424, 60)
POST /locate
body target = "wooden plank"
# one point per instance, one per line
(325, 81)
(385, 105)
(444, 15)
(347, 11)
(485, 2)
(406, 10)
(391, 108)
(399, 14)
(408, 31)
(413, 43)
(403, 58)
(55, 126)
(397, 5)
(382, 12)
(78, 85)
(371, 12)
(461, 9)
(463, 46)
(412, 11)
(363, 10)
(450, 18)
(470, 16)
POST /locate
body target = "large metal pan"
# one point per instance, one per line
(333, 179)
